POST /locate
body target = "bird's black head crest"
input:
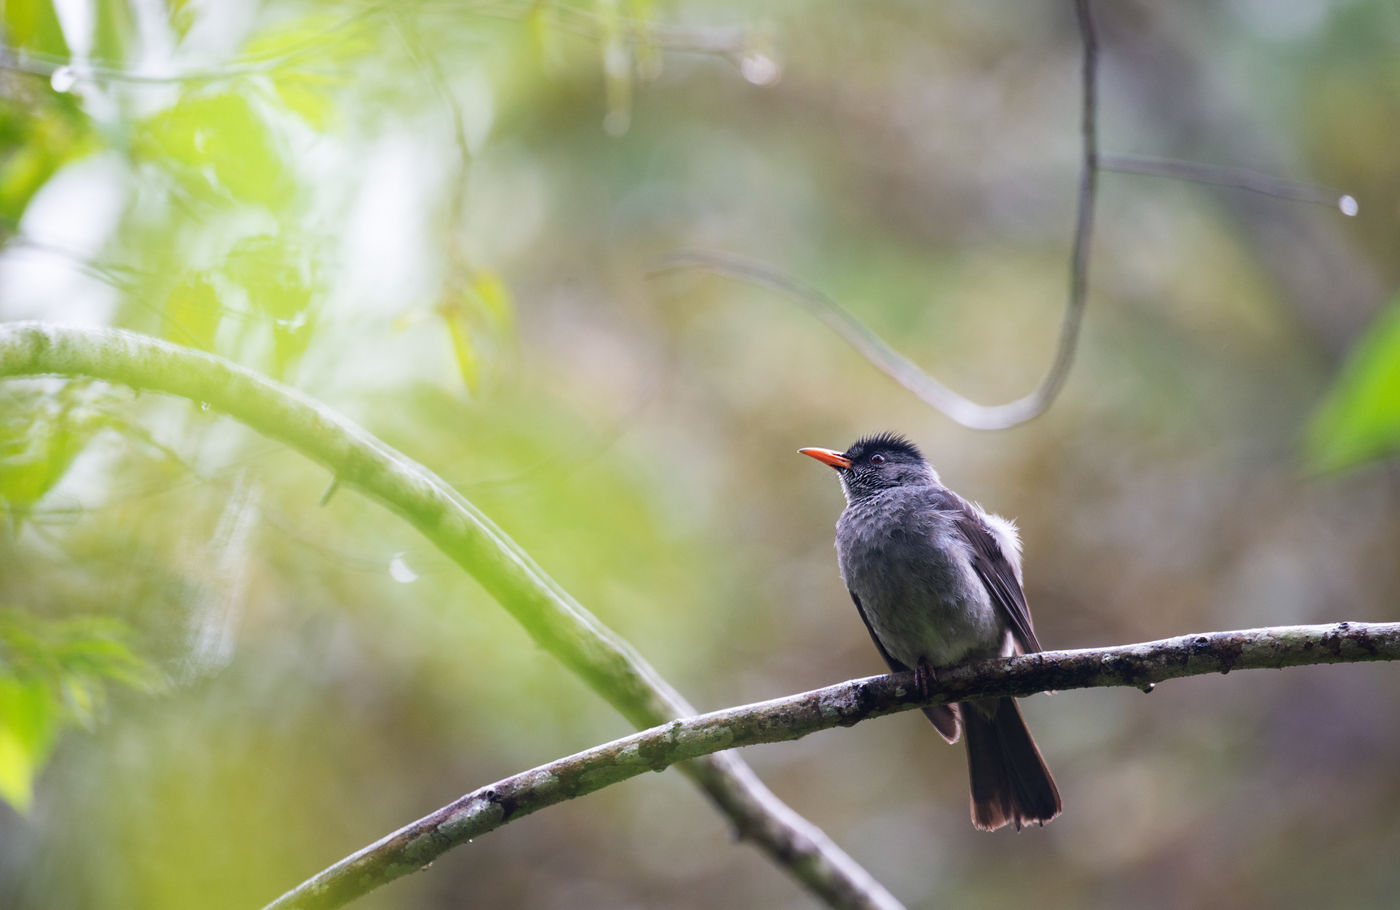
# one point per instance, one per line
(891, 445)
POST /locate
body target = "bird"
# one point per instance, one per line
(937, 581)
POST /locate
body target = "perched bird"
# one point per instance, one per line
(938, 583)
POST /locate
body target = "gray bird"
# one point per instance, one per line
(938, 583)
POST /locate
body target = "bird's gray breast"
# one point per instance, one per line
(903, 557)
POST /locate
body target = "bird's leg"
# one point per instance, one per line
(924, 677)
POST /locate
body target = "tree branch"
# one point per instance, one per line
(845, 704)
(549, 614)
(901, 369)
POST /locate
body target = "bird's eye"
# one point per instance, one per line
(877, 459)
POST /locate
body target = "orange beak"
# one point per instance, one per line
(827, 456)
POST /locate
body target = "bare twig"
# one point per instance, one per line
(549, 614)
(957, 407)
(415, 845)
(1233, 177)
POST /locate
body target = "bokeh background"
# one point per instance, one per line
(441, 219)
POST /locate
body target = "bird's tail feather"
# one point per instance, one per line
(945, 720)
(1010, 783)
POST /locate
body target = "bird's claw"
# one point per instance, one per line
(924, 678)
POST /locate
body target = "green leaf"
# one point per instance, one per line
(113, 29)
(479, 319)
(274, 275)
(279, 280)
(38, 442)
(317, 36)
(32, 25)
(1359, 419)
(463, 348)
(35, 141)
(492, 298)
(55, 673)
(192, 313)
(219, 148)
(307, 97)
(28, 728)
(331, 43)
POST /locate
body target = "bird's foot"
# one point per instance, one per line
(924, 677)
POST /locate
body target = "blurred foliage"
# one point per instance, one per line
(54, 674)
(32, 25)
(37, 136)
(440, 219)
(481, 310)
(217, 148)
(1359, 420)
(41, 432)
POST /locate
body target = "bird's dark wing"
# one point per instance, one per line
(945, 718)
(895, 666)
(992, 566)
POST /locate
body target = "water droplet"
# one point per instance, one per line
(760, 69)
(400, 571)
(204, 406)
(1349, 206)
(63, 79)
